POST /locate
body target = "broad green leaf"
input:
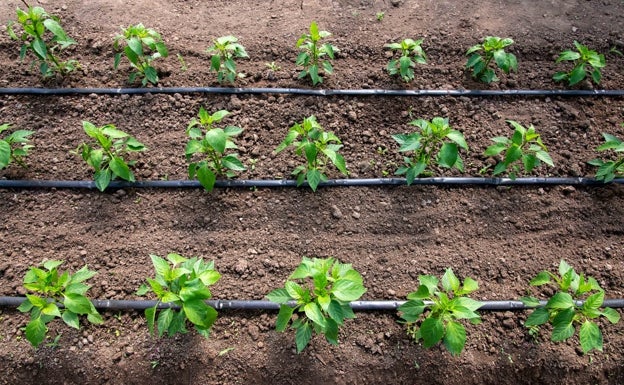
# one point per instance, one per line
(454, 337)
(284, 316)
(450, 282)
(331, 332)
(447, 156)
(36, 331)
(590, 337)
(540, 279)
(51, 309)
(594, 301)
(303, 336)
(5, 154)
(52, 264)
(164, 320)
(82, 275)
(313, 312)
(231, 162)
(412, 310)
(313, 177)
(347, 291)
(470, 285)
(95, 318)
(562, 325)
(530, 301)
(77, 303)
(119, 168)
(150, 315)
(431, 331)
(294, 290)
(25, 306)
(544, 157)
(198, 312)
(102, 179)
(71, 319)
(612, 315)
(217, 139)
(560, 301)
(538, 317)
(577, 75)
(206, 177)
(467, 303)
(335, 311)
(161, 266)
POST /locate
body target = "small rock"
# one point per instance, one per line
(336, 213)
(567, 190)
(356, 215)
(241, 266)
(253, 331)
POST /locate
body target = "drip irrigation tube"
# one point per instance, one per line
(276, 183)
(381, 305)
(302, 91)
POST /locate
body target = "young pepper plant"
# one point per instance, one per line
(585, 60)
(577, 302)
(108, 160)
(14, 147)
(51, 288)
(411, 53)
(609, 169)
(224, 50)
(321, 308)
(37, 25)
(212, 146)
(445, 308)
(492, 48)
(182, 282)
(141, 46)
(318, 147)
(525, 146)
(436, 140)
(312, 59)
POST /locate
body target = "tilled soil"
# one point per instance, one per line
(500, 236)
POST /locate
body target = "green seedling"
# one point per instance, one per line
(43, 35)
(183, 66)
(224, 51)
(436, 140)
(322, 305)
(106, 155)
(141, 46)
(585, 60)
(14, 147)
(445, 307)
(411, 53)
(181, 282)
(577, 301)
(525, 148)
(318, 147)
(492, 48)
(380, 16)
(273, 66)
(312, 59)
(609, 169)
(211, 143)
(56, 294)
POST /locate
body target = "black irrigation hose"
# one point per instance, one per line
(275, 183)
(301, 91)
(268, 305)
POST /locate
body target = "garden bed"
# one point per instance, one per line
(500, 236)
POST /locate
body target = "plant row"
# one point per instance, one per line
(315, 299)
(210, 151)
(43, 36)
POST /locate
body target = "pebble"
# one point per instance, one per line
(336, 213)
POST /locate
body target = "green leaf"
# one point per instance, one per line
(102, 179)
(594, 301)
(71, 319)
(36, 331)
(164, 320)
(161, 266)
(560, 301)
(538, 317)
(199, 313)
(450, 282)
(335, 311)
(454, 337)
(284, 316)
(590, 337)
(612, 315)
(447, 157)
(303, 336)
(77, 303)
(5, 154)
(562, 325)
(431, 331)
(217, 139)
(313, 312)
(82, 275)
(150, 315)
(577, 75)
(313, 177)
(411, 310)
(206, 177)
(347, 290)
(119, 168)
(51, 309)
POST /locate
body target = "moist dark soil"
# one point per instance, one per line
(500, 236)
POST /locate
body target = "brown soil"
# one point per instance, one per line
(500, 236)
